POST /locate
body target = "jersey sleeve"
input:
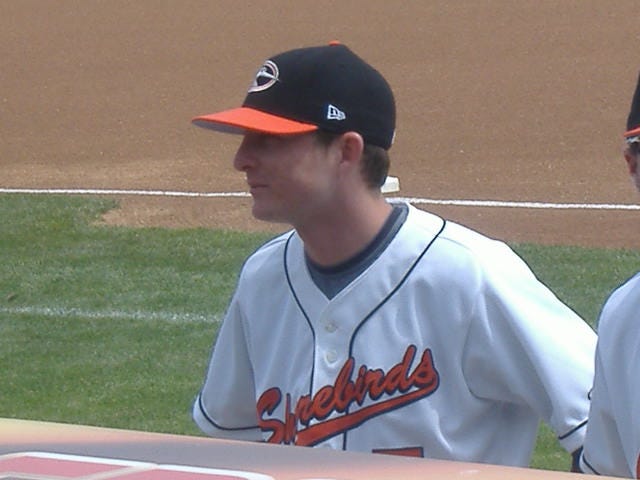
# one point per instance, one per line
(603, 453)
(527, 348)
(612, 443)
(226, 405)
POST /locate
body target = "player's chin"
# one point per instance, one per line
(268, 212)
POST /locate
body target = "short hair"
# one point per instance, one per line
(375, 160)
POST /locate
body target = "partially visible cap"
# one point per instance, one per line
(302, 90)
(632, 134)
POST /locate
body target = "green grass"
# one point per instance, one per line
(107, 326)
(581, 277)
(113, 326)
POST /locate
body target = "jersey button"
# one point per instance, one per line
(331, 356)
(330, 327)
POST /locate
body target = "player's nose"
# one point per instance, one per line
(244, 157)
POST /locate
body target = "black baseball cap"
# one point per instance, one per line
(315, 88)
(632, 135)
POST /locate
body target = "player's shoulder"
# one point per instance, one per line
(467, 252)
(269, 253)
(622, 304)
(457, 237)
(618, 333)
(276, 243)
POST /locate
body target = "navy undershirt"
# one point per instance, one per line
(331, 280)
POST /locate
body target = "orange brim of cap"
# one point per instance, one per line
(239, 120)
(632, 133)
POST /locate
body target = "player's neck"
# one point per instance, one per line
(344, 232)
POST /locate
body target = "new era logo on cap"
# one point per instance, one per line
(334, 113)
(306, 89)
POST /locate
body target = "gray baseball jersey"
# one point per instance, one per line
(447, 347)
(612, 444)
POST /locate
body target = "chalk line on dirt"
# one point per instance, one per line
(412, 200)
(54, 312)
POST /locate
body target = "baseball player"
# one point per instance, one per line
(372, 326)
(612, 445)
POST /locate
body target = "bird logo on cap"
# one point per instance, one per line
(265, 78)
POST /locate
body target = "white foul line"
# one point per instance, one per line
(93, 191)
(412, 200)
(109, 314)
(498, 203)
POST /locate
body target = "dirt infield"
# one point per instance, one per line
(497, 100)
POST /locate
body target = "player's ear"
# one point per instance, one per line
(351, 147)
